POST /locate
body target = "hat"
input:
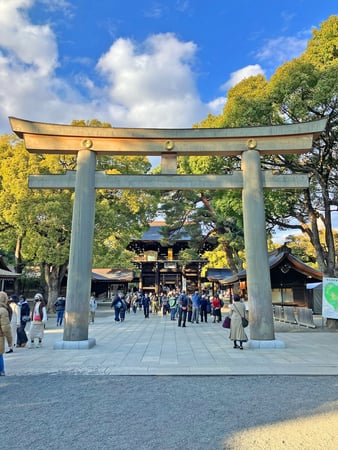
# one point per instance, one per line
(38, 297)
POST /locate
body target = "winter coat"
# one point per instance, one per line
(237, 311)
(5, 328)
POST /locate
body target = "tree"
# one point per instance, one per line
(37, 223)
(302, 90)
(208, 219)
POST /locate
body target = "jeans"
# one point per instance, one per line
(204, 315)
(182, 316)
(59, 317)
(146, 310)
(195, 313)
(2, 365)
(117, 314)
(172, 313)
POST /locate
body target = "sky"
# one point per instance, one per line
(144, 63)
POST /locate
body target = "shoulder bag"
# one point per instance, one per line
(245, 321)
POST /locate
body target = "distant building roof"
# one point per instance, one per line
(113, 275)
(5, 273)
(154, 233)
(8, 275)
(218, 274)
(276, 258)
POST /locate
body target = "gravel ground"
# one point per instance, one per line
(160, 413)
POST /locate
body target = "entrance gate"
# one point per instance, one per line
(87, 142)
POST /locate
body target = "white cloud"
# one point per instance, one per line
(147, 85)
(216, 106)
(282, 49)
(153, 83)
(30, 47)
(241, 74)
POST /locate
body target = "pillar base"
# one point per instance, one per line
(75, 345)
(275, 343)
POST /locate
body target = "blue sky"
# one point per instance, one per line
(142, 63)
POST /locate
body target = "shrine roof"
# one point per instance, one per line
(276, 258)
(112, 275)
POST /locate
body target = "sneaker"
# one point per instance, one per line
(2, 374)
(31, 345)
(10, 350)
(39, 344)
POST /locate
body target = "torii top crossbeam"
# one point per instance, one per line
(67, 139)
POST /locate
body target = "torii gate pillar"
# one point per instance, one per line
(81, 253)
(258, 271)
(87, 142)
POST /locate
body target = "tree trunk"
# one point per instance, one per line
(53, 277)
(18, 261)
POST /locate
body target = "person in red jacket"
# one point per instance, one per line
(216, 309)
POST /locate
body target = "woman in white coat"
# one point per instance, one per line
(237, 312)
(38, 321)
(15, 320)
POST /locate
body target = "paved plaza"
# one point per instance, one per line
(150, 385)
(157, 346)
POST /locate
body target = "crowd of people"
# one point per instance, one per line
(179, 305)
(184, 308)
(15, 314)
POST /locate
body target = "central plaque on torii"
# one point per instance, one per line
(88, 142)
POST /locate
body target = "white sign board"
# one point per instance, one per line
(330, 298)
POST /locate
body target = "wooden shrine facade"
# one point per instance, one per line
(159, 265)
(289, 279)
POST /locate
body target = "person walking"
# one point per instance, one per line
(216, 309)
(237, 312)
(24, 319)
(38, 321)
(172, 304)
(92, 308)
(60, 306)
(204, 308)
(15, 320)
(183, 301)
(196, 304)
(5, 329)
(117, 305)
(146, 305)
(123, 309)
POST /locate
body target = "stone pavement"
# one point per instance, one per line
(157, 346)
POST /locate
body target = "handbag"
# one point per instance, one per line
(245, 321)
(226, 322)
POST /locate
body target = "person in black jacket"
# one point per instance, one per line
(60, 306)
(183, 301)
(204, 308)
(146, 305)
(24, 319)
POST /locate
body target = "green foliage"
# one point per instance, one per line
(303, 89)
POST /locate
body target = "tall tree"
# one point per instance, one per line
(302, 90)
(37, 223)
(34, 223)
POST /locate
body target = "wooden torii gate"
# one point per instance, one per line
(88, 142)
